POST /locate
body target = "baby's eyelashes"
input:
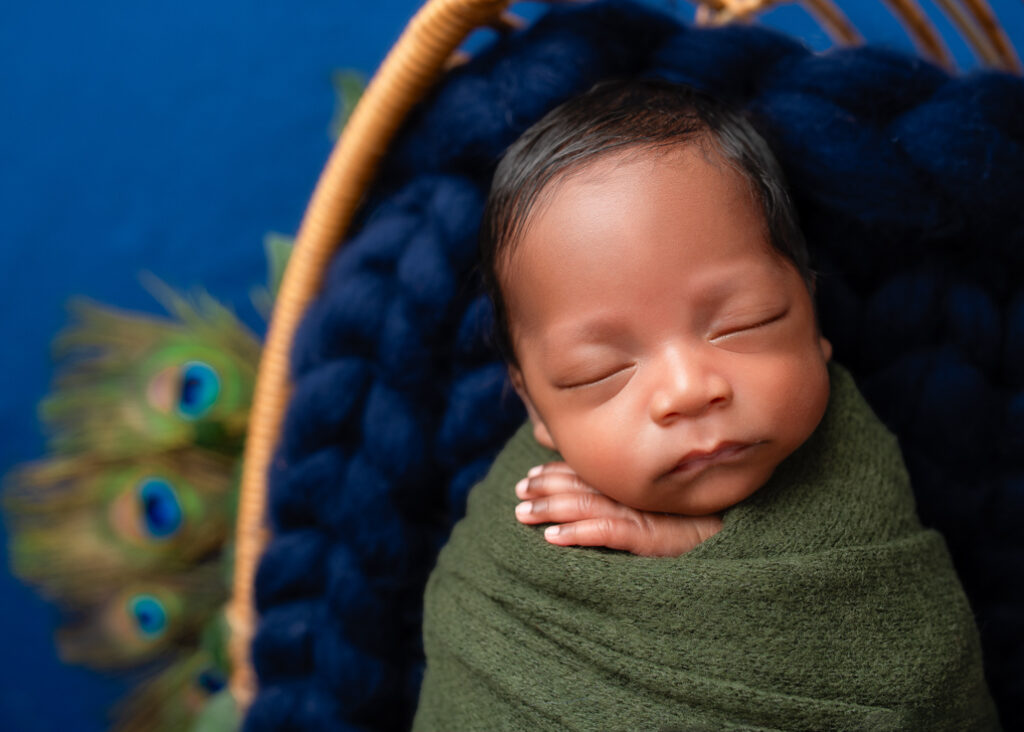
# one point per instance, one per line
(734, 330)
(605, 377)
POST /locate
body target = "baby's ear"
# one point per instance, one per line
(826, 347)
(540, 430)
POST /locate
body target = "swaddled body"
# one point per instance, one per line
(654, 301)
(822, 604)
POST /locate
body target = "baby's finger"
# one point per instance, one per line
(559, 467)
(563, 507)
(550, 482)
(652, 536)
(614, 533)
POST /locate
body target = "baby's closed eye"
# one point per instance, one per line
(730, 331)
(594, 376)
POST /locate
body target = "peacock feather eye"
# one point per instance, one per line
(149, 615)
(159, 507)
(192, 394)
(200, 387)
(211, 680)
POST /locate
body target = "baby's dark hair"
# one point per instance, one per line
(626, 115)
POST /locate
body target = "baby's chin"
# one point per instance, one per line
(719, 490)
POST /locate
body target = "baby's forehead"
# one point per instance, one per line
(598, 166)
(695, 158)
(721, 186)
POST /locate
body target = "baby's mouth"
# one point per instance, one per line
(698, 460)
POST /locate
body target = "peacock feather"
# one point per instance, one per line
(143, 619)
(349, 86)
(128, 522)
(125, 518)
(136, 384)
(197, 681)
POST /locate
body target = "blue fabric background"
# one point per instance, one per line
(168, 139)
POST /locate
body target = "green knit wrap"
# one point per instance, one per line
(822, 604)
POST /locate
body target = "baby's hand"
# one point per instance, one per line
(583, 516)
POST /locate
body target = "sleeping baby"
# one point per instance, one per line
(714, 531)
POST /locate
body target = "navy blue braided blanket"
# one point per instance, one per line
(908, 182)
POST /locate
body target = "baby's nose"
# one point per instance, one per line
(688, 385)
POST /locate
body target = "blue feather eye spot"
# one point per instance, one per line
(160, 507)
(211, 680)
(149, 615)
(200, 387)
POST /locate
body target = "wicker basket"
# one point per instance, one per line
(426, 48)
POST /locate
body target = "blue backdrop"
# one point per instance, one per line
(171, 139)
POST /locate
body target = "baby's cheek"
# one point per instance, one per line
(797, 416)
(810, 398)
(793, 391)
(612, 472)
(592, 460)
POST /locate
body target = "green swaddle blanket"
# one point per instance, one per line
(822, 604)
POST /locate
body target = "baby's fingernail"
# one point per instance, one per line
(535, 470)
(524, 508)
(552, 531)
(521, 487)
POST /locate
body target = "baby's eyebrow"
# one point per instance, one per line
(720, 288)
(597, 330)
(744, 284)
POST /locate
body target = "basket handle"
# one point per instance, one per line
(409, 70)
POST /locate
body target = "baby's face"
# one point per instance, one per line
(665, 350)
